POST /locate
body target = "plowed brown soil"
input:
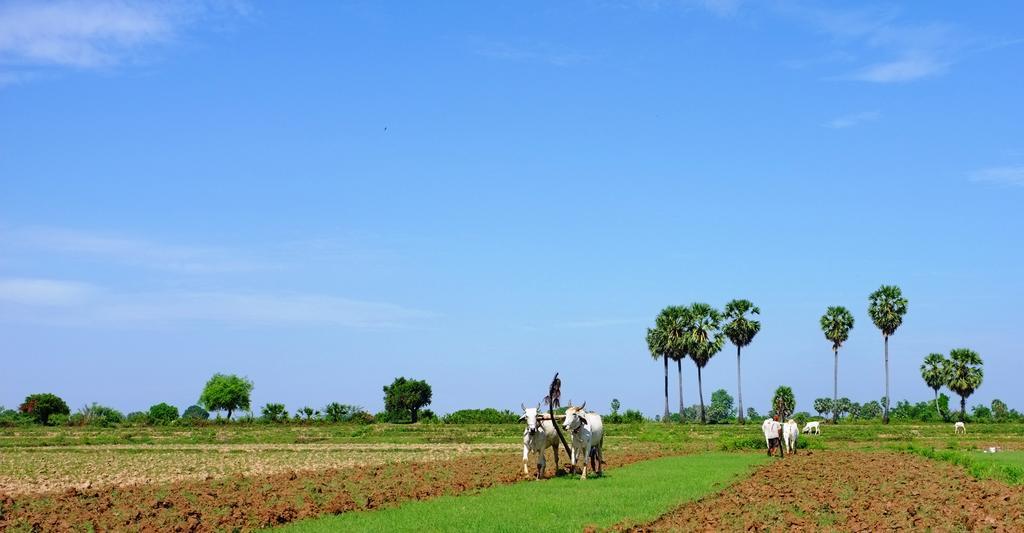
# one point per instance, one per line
(854, 491)
(248, 502)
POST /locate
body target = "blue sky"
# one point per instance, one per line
(325, 196)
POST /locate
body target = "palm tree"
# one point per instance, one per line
(740, 330)
(666, 341)
(887, 307)
(933, 370)
(964, 374)
(836, 323)
(704, 339)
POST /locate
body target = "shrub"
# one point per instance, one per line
(632, 416)
(481, 416)
(12, 418)
(162, 414)
(308, 412)
(97, 415)
(981, 413)
(195, 412)
(340, 412)
(59, 420)
(40, 406)
(274, 412)
(137, 418)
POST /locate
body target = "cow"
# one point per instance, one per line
(959, 428)
(790, 432)
(538, 436)
(813, 427)
(587, 438)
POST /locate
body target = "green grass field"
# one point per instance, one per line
(633, 494)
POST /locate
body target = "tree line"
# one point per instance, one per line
(699, 331)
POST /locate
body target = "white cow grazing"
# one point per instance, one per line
(813, 427)
(587, 437)
(538, 436)
(959, 428)
(790, 432)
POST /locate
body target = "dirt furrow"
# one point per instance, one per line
(854, 491)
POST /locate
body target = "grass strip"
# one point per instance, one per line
(1007, 467)
(633, 494)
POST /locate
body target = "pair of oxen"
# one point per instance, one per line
(587, 432)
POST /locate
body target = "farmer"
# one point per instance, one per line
(772, 434)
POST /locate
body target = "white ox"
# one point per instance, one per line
(587, 437)
(538, 436)
(790, 432)
(959, 428)
(813, 427)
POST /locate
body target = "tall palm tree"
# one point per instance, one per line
(886, 306)
(704, 339)
(964, 374)
(741, 331)
(666, 341)
(933, 370)
(836, 323)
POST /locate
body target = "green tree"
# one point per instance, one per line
(964, 374)
(41, 406)
(842, 407)
(887, 306)
(741, 331)
(836, 323)
(407, 395)
(721, 409)
(195, 412)
(667, 340)
(783, 402)
(274, 412)
(1000, 411)
(933, 371)
(226, 392)
(824, 406)
(162, 414)
(615, 406)
(704, 339)
(308, 413)
(871, 410)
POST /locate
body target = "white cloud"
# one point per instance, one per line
(83, 34)
(902, 70)
(44, 292)
(35, 301)
(535, 53)
(90, 34)
(848, 121)
(133, 252)
(1009, 175)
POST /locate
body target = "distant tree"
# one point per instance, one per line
(933, 371)
(1000, 411)
(226, 392)
(842, 407)
(615, 406)
(704, 339)
(41, 406)
(339, 412)
(870, 410)
(137, 418)
(721, 409)
(741, 331)
(752, 414)
(274, 412)
(836, 323)
(407, 395)
(783, 402)
(632, 416)
(308, 413)
(887, 306)
(97, 415)
(981, 413)
(964, 374)
(824, 406)
(667, 340)
(195, 412)
(163, 413)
